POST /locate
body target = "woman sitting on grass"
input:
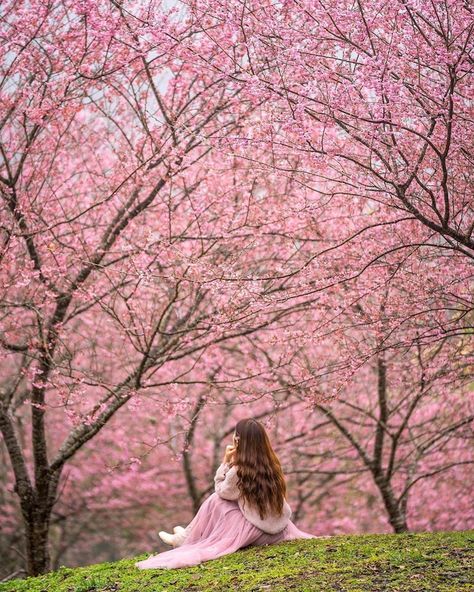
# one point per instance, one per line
(248, 506)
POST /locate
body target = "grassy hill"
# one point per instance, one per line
(411, 562)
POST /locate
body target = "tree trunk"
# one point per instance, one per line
(398, 521)
(36, 517)
(36, 542)
(396, 515)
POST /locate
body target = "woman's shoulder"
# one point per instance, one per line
(228, 468)
(232, 471)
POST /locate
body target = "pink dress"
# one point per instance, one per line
(218, 528)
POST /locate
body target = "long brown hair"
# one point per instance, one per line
(260, 476)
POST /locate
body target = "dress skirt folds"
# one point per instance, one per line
(217, 529)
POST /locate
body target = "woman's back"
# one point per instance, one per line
(226, 486)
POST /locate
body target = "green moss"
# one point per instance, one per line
(410, 562)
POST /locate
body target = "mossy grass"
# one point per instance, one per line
(408, 562)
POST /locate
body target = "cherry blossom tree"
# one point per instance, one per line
(119, 269)
(394, 434)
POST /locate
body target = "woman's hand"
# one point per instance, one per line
(229, 453)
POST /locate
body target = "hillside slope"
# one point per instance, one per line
(411, 562)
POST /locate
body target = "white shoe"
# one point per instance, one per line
(180, 534)
(175, 540)
(167, 538)
(178, 529)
